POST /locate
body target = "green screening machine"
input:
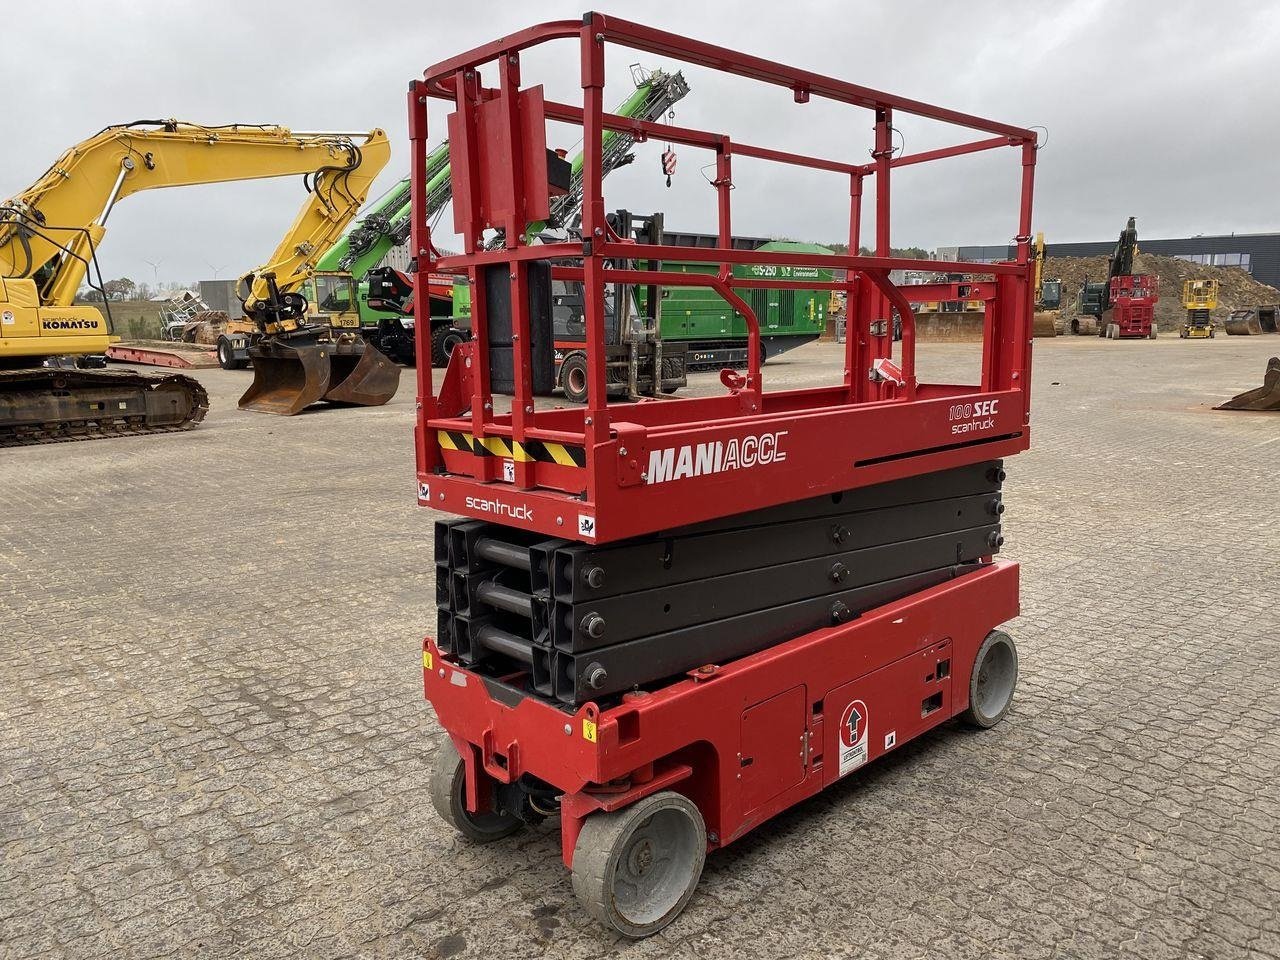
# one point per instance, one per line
(716, 333)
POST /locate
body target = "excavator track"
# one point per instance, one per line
(54, 405)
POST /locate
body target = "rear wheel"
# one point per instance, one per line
(448, 795)
(573, 377)
(670, 370)
(635, 869)
(991, 684)
(227, 356)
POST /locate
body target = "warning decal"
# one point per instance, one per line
(531, 451)
(853, 737)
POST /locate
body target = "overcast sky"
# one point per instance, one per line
(1167, 111)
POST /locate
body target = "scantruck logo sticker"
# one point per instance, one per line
(715, 456)
(481, 505)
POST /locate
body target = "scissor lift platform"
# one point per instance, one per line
(841, 627)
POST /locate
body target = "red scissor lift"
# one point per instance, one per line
(654, 750)
(1132, 312)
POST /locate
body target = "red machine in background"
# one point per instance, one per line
(665, 621)
(1122, 307)
(1133, 307)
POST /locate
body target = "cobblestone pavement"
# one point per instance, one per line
(213, 741)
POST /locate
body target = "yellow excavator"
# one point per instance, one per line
(1048, 295)
(49, 235)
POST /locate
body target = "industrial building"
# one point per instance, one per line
(1257, 253)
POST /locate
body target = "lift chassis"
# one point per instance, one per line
(749, 738)
(666, 621)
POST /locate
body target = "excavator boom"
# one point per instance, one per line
(50, 232)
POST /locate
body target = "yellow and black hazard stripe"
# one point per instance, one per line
(531, 451)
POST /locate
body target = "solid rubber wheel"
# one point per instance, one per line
(573, 377)
(636, 868)
(994, 677)
(448, 782)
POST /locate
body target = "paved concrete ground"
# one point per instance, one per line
(213, 741)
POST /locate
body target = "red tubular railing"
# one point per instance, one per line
(869, 293)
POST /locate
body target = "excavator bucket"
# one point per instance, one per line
(1044, 323)
(1243, 323)
(1266, 397)
(361, 374)
(287, 378)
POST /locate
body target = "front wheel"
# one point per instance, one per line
(453, 338)
(448, 785)
(444, 340)
(1153, 331)
(991, 684)
(635, 869)
(573, 377)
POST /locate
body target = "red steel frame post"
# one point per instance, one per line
(428, 453)
(854, 356)
(594, 230)
(521, 351)
(882, 346)
(1026, 302)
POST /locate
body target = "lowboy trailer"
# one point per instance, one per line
(665, 621)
